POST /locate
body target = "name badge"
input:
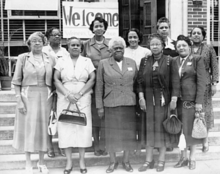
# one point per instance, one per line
(189, 63)
(130, 69)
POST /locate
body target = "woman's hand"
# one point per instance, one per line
(173, 103)
(142, 104)
(214, 89)
(100, 112)
(21, 106)
(72, 99)
(198, 107)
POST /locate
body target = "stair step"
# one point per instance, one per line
(7, 149)
(7, 107)
(18, 161)
(7, 96)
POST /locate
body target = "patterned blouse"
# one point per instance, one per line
(211, 62)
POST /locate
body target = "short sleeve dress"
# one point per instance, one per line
(74, 79)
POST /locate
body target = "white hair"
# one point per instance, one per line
(115, 40)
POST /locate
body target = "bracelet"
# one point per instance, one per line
(80, 93)
(18, 95)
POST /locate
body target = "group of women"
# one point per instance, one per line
(126, 92)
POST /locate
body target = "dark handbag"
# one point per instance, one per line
(199, 126)
(73, 117)
(172, 124)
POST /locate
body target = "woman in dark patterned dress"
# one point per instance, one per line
(154, 79)
(208, 54)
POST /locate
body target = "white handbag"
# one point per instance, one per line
(52, 127)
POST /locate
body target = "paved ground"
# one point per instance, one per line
(203, 167)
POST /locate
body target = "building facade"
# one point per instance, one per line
(17, 25)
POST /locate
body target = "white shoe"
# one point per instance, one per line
(42, 168)
(29, 170)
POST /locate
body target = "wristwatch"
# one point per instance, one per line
(80, 93)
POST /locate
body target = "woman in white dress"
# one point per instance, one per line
(74, 78)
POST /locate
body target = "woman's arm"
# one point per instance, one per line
(88, 86)
(59, 86)
(200, 82)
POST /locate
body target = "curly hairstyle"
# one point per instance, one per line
(202, 30)
(140, 35)
(49, 31)
(71, 38)
(156, 35)
(101, 20)
(184, 38)
(39, 34)
(163, 20)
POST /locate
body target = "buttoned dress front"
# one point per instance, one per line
(74, 79)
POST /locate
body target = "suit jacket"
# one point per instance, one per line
(92, 51)
(113, 86)
(25, 72)
(192, 80)
(165, 74)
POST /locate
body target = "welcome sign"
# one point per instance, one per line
(77, 16)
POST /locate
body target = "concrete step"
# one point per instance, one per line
(18, 161)
(7, 149)
(7, 107)
(8, 96)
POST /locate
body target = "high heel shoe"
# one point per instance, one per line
(192, 164)
(112, 166)
(146, 165)
(67, 171)
(127, 166)
(42, 168)
(205, 148)
(83, 170)
(182, 162)
(160, 166)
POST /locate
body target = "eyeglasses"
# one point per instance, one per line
(56, 35)
(35, 41)
(118, 48)
(155, 45)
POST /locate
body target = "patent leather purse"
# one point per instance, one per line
(73, 116)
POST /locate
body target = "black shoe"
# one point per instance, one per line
(103, 152)
(160, 166)
(127, 166)
(67, 171)
(98, 153)
(182, 162)
(146, 165)
(205, 148)
(83, 170)
(50, 153)
(192, 164)
(112, 167)
(169, 149)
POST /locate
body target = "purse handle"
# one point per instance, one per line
(70, 105)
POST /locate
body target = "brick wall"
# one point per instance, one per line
(197, 15)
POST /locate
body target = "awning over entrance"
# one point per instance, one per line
(39, 5)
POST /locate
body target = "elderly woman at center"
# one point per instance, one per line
(115, 98)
